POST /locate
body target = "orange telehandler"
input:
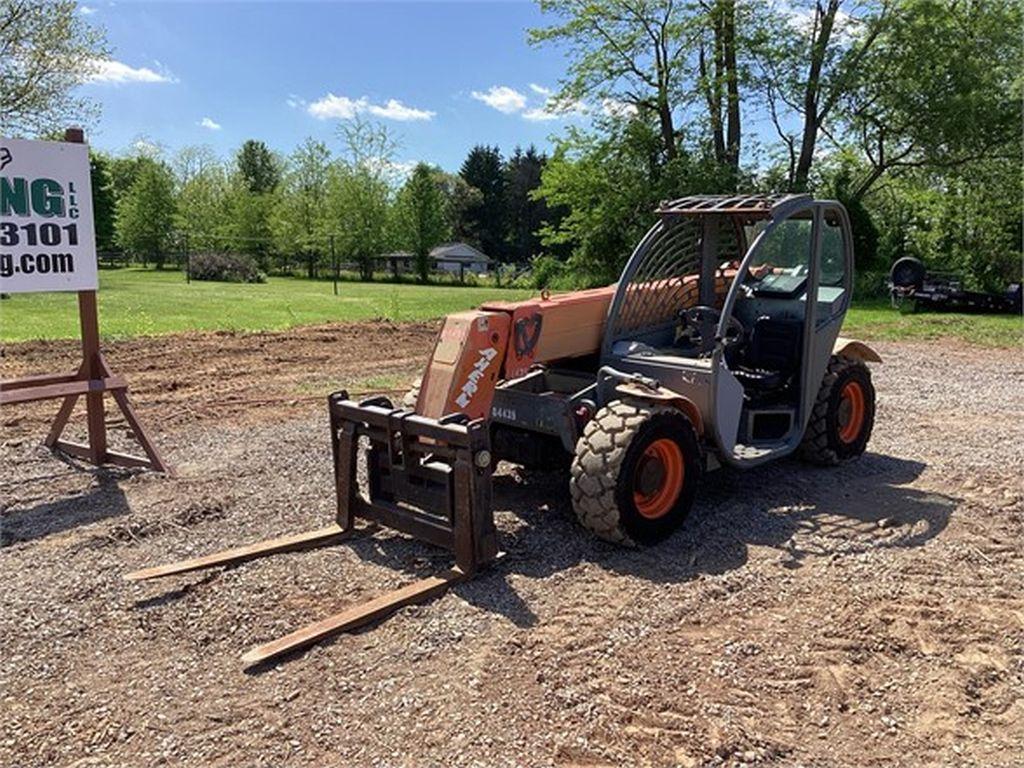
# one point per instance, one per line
(718, 345)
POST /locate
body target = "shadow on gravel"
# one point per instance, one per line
(103, 500)
(802, 511)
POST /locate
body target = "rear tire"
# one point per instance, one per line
(843, 416)
(635, 473)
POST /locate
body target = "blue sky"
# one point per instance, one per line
(442, 76)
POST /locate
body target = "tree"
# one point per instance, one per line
(202, 209)
(259, 169)
(482, 169)
(623, 53)
(193, 160)
(607, 186)
(299, 221)
(459, 199)
(720, 72)
(422, 216)
(525, 212)
(103, 202)
(359, 193)
(47, 49)
(807, 64)
(145, 215)
(940, 89)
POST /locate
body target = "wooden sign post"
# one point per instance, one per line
(20, 197)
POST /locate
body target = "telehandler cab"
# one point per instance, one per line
(718, 345)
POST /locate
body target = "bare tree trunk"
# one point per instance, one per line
(668, 131)
(733, 133)
(713, 97)
(812, 116)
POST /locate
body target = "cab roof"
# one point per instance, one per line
(750, 206)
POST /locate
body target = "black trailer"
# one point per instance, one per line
(912, 286)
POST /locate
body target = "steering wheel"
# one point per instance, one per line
(703, 317)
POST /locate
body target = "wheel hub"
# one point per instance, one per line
(658, 478)
(851, 412)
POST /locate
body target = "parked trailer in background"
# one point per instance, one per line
(911, 285)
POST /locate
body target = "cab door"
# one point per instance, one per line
(828, 295)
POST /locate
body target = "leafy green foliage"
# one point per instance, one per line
(525, 213)
(609, 186)
(299, 219)
(103, 202)
(145, 214)
(47, 49)
(421, 217)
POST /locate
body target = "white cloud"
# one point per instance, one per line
(616, 108)
(85, 10)
(341, 107)
(146, 147)
(209, 123)
(396, 110)
(512, 102)
(502, 98)
(540, 114)
(555, 110)
(294, 101)
(344, 108)
(110, 71)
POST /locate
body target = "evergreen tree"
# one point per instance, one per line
(483, 169)
(258, 167)
(525, 214)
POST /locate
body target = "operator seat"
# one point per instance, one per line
(771, 357)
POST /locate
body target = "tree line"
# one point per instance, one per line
(311, 207)
(907, 111)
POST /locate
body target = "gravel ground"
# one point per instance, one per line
(867, 615)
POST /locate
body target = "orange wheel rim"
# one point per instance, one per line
(852, 411)
(658, 478)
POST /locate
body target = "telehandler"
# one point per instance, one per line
(719, 345)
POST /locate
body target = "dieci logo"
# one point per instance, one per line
(5, 157)
(479, 369)
(46, 198)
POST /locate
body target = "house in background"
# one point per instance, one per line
(397, 262)
(457, 257)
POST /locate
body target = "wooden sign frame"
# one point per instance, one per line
(93, 379)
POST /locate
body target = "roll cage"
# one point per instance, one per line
(701, 252)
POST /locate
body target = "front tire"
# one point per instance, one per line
(843, 416)
(635, 473)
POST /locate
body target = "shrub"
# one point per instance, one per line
(870, 284)
(225, 267)
(545, 272)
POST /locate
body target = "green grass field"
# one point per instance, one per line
(137, 302)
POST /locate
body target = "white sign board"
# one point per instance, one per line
(47, 241)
